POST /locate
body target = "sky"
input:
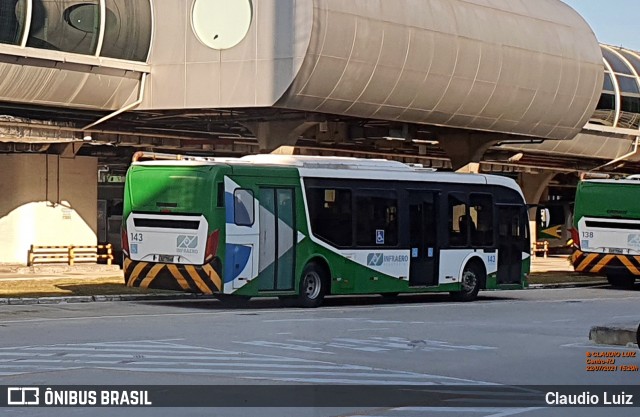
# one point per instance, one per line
(615, 22)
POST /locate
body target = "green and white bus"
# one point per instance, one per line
(606, 229)
(300, 228)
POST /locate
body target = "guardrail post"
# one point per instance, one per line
(30, 256)
(71, 256)
(109, 254)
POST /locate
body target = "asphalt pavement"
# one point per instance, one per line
(53, 284)
(506, 338)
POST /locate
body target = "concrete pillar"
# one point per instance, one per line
(276, 133)
(533, 187)
(465, 149)
(46, 200)
(470, 168)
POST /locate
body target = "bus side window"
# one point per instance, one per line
(376, 224)
(331, 215)
(481, 212)
(458, 221)
(243, 207)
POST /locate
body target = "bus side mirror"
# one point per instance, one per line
(545, 217)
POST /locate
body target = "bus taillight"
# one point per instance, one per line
(575, 237)
(125, 242)
(212, 246)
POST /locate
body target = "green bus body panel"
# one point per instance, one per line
(607, 200)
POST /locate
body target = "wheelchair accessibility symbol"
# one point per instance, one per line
(380, 237)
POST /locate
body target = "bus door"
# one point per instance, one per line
(423, 238)
(512, 241)
(278, 238)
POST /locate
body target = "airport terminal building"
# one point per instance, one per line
(505, 86)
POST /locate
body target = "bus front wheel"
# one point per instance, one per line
(470, 283)
(313, 286)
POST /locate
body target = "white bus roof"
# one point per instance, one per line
(344, 167)
(632, 181)
(331, 162)
(381, 169)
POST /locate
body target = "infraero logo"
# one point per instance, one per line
(633, 240)
(187, 242)
(375, 259)
(23, 396)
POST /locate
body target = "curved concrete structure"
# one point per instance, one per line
(530, 68)
(619, 105)
(508, 66)
(78, 54)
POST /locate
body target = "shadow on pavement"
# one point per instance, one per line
(338, 301)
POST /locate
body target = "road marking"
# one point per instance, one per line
(369, 329)
(286, 346)
(352, 381)
(375, 382)
(313, 320)
(188, 363)
(372, 344)
(229, 360)
(171, 357)
(359, 319)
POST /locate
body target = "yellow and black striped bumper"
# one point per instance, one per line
(204, 279)
(602, 263)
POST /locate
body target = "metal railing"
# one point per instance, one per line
(69, 254)
(542, 246)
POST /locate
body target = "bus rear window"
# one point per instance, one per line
(160, 189)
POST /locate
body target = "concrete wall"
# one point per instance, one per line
(46, 200)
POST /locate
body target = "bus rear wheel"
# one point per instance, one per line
(621, 281)
(313, 286)
(470, 283)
